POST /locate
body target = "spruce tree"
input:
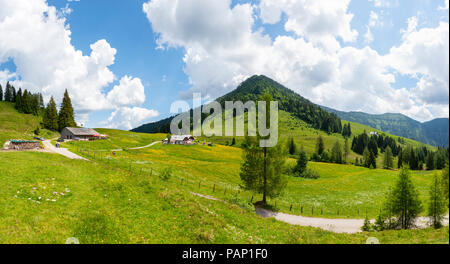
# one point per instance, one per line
(336, 153)
(346, 150)
(50, 119)
(66, 114)
(366, 158)
(8, 92)
(436, 206)
(262, 168)
(1, 93)
(430, 161)
(302, 163)
(19, 105)
(406, 205)
(388, 160)
(444, 181)
(320, 146)
(13, 94)
(291, 146)
(372, 160)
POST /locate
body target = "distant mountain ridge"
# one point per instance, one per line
(434, 132)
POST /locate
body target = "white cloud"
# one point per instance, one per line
(316, 20)
(130, 91)
(39, 43)
(312, 62)
(424, 54)
(130, 117)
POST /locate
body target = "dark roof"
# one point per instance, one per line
(81, 131)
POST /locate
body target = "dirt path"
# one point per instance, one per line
(62, 151)
(149, 145)
(349, 226)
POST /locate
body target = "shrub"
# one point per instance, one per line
(166, 174)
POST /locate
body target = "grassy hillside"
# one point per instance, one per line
(102, 204)
(305, 135)
(14, 125)
(349, 189)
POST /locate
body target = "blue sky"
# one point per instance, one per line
(172, 54)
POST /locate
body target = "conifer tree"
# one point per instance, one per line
(444, 181)
(436, 206)
(372, 160)
(13, 94)
(320, 146)
(8, 92)
(1, 93)
(430, 161)
(346, 150)
(302, 162)
(66, 114)
(366, 158)
(50, 119)
(336, 153)
(292, 147)
(388, 160)
(19, 105)
(406, 205)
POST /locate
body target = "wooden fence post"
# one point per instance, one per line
(290, 208)
(301, 209)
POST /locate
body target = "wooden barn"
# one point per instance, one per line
(79, 133)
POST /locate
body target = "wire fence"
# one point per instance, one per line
(219, 190)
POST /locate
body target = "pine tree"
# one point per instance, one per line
(436, 207)
(406, 205)
(302, 162)
(366, 158)
(444, 181)
(292, 147)
(400, 159)
(1, 93)
(19, 105)
(8, 92)
(336, 153)
(262, 168)
(346, 150)
(26, 102)
(66, 114)
(320, 146)
(372, 160)
(430, 161)
(388, 161)
(13, 94)
(50, 119)
(373, 146)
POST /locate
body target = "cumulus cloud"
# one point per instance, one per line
(38, 40)
(424, 54)
(130, 91)
(130, 117)
(318, 21)
(222, 48)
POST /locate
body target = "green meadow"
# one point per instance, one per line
(97, 203)
(342, 191)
